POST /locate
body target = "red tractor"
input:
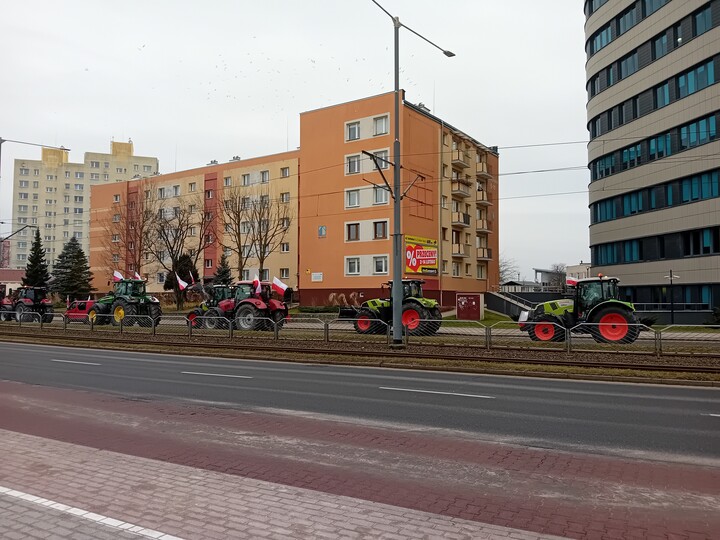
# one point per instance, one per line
(246, 309)
(26, 304)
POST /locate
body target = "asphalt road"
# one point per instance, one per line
(654, 421)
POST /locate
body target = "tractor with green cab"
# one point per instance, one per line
(128, 299)
(595, 309)
(420, 316)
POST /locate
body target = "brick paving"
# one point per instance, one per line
(459, 477)
(168, 501)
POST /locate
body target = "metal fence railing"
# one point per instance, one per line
(545, 335)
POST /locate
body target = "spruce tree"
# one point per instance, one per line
(223, 274)
(72, 275)
(36, 272)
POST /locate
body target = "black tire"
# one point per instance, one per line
(436, 321)
(279, 318)
(546, 328)
(614, 325)
(96, 315)
(155, 313)
(247, 317)
(214, 320)
(22, 314)
(49, 315)
(4, 316)
(118, 311)
(366, 322)
(413, 319)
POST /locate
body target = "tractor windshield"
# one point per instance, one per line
(137, 289)
(412, 289)
(243, 291)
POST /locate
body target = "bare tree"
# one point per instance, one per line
(509, 269)
(557, 275)
(235, 211)
(270, 221)
(180, 228)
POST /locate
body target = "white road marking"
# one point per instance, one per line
(710, 414)
(215, 374)
(75, 362)
(112, 523)
(433, 392)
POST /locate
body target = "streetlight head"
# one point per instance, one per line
(449, 54)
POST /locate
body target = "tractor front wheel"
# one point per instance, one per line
(614, 326)
(214, 320)
(546, 329)
(119, 310)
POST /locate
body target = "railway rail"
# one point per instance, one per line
(382, 357)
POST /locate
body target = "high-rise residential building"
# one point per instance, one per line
(53, 194)
(144, 225)
(449, 206)
(654, 154)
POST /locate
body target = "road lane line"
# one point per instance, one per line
(710, 414)
(434, 392)
(75, 362)
(215, 374)
(112, 523)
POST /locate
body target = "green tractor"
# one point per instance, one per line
(128, 299)
(420, 316)
(595, 310)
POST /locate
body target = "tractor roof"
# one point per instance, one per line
(597, 278)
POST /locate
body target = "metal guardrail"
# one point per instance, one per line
(635, 338)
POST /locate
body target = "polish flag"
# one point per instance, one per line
(256, 285)
(278, 286)
(181, 284)
(137, 276)
(572, 282)
(192, 279)
(117, 276)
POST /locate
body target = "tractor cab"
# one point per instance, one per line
(129, 287)
(591, 292)
(34, 294)
(412, 288)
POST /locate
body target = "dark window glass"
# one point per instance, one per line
(703, 21)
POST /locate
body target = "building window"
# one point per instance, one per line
(192, 186)
(79, 187)
(382, 159)
(77, 210)
(455, 269)
(627, 20)
(284, 273)
(353, 131)
(176, 191)
(352, 198)
(285, 223)
(380, 264)
(659, 46)
(703, 21)
(208, 263)
(628, 65)
(322, 231)
(380, 195)
(285, 172)
(379, 230)
(245, 180)
(160, 277)
(265, 275)
(147, 168)
(264, 177)
(352, 266)
(78, 199)
(94, 176)
(22, 195)
(352, 232)
(353, 164)
(115, 238)
(662, 95)
(116, 218)
(285, 197)
(79, 175)
(94, 164)
(380, 125)
(285, 247)
(227, 181)
(116, 198)
(208, 194)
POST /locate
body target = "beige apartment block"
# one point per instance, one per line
(654, 153)
(198, 203)
(53, 194)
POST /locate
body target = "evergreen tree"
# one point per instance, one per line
(185, 269)
(223, 274)
(36, 272)
(72, 275)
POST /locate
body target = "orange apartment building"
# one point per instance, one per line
(119, 210)
(345, 212)
(338, 249)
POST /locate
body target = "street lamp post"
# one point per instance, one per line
(672, 297)
(398, 249)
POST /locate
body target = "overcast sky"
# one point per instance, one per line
(190, 82)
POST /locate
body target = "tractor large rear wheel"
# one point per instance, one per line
(546, 328)
(614, 325)
(22, 313)
(155, 313)
(49, 315)
(413, 317)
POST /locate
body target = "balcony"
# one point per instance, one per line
(482, 170)
(460, 250)
(481, 198)
(459, 189)
(484, 253)
(461, 219)
(460, 159)
(483, 225)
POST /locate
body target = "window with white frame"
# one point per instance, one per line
(94, 164)
(227, 252)
(380, 195)
(22, 195)
(115, 238)
(285, 247)
(265, 275)
(264, 177)
(24, 183)
(284, 273)
(456, 269)
(285, 197)
(116, 218)
(352, 198)
(352, 266)
(147, 168)
(380, 125)
(208, 194)
(24, 171)
(443, 201)
(246, 275)
(160, 277)
(116, 198)
(176, 191)
(353, 131)
(285, 223)
(380, 264)
(227, 181)
(77, 234)
(285, 172)
(208, 263)
(353, 164)
(192, 186)
(382, 159)
(245, 180)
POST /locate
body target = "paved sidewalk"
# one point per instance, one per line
(51, 489)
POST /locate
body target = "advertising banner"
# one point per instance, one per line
(421, 255)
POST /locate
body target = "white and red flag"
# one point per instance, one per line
(182, 285)
(192, 279)
(572, 282)
(256, 285)
(137, 276)
(278, 286)
(117, 276)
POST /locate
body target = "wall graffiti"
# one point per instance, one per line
(340, 299)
